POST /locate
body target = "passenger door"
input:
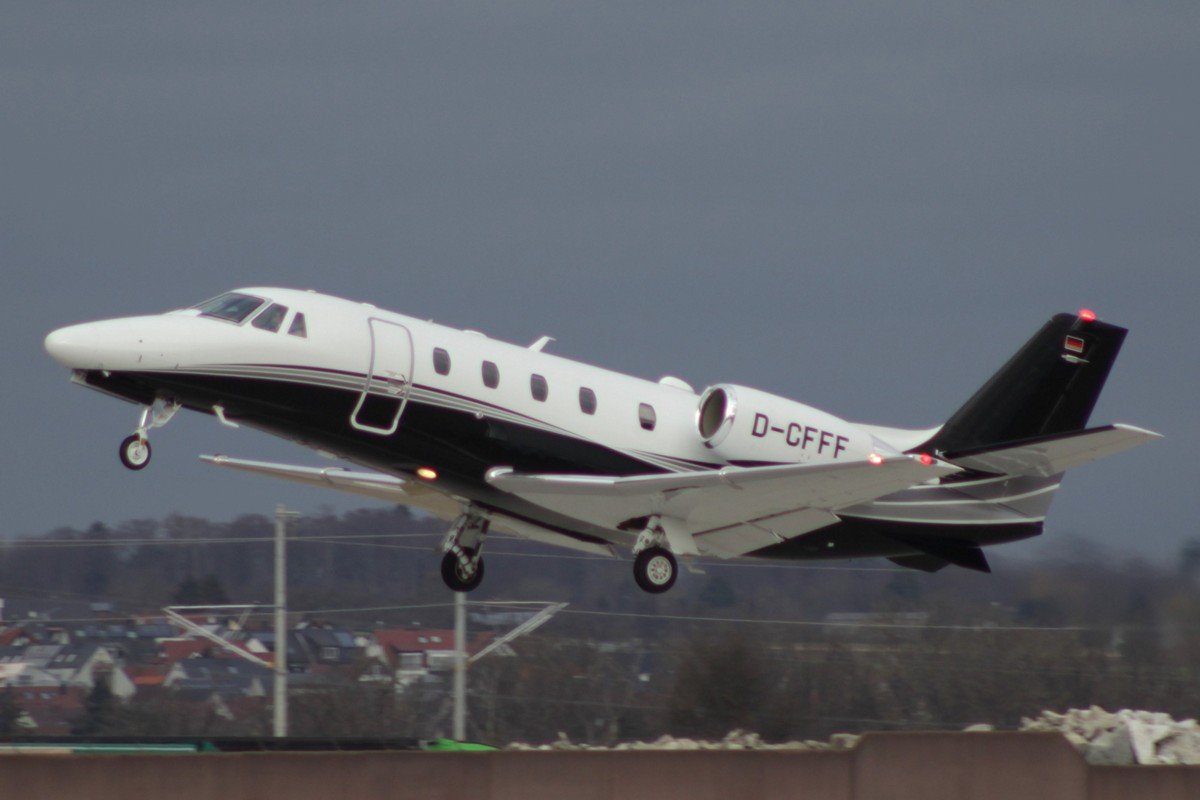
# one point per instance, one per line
(389, 379)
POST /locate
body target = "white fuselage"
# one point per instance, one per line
(414, 399)
(338, 349)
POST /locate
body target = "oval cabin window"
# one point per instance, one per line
(646, 416)
(491, 375)
(587, 401)
(441, 361)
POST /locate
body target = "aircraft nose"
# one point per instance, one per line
(73, 346)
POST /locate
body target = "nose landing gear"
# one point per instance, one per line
(135, 449)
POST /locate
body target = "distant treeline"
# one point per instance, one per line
(924, 651)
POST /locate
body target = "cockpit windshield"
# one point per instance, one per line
(230, 306)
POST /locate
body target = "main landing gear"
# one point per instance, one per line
(462, 564)
(135, 449)
(654, 565)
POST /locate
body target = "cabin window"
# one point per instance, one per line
(271, 319)
(441, 361)
(646, 416)
(539, 388)
(491, 375)
(587, 400)
(298, 328)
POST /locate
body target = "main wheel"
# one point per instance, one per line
(134, 452)
(454, 575)
(655, 569)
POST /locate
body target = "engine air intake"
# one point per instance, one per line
(714, 409)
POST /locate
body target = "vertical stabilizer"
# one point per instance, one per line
(1050, 386)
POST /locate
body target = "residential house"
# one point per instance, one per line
(403, 656)
(49, 711)
(327, 647)
(52, 666)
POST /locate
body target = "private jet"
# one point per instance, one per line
(489, 435)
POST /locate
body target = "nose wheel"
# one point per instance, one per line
(135, 449)
(135, 452)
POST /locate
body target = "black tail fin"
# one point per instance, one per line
(1050, 386)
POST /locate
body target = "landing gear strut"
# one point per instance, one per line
(135, 449)
(462, 564)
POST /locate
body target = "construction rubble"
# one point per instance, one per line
(734, 740)
(1121, 738)
(1126, 737)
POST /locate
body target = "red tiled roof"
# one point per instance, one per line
(179, 649)
(400, 640)
(52, 710)
(418, 641)
(147, 675)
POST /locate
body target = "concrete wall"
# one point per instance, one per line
(928, 766)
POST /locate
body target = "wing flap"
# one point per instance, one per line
(733, 540)
(711, 504)
(1050, 455)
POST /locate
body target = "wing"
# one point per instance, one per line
(1050, 455)
(726, 512)
(368, 484)
(408, 493)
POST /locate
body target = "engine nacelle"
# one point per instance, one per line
(748, 427)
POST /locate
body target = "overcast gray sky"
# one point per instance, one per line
(864, 206)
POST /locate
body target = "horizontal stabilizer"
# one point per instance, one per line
(1050, 455)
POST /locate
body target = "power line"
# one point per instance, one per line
(829, 624)
(681, 618)
(158, 541)
(347, 540)
(602, 559)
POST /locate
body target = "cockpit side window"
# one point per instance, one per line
(298, 328)
(231, 306)
(271, 319)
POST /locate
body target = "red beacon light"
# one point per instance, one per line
(926, 459)
(875, 459)
(1087, 315)
(427, 473)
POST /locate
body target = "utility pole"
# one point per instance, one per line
(460, 666)
(282, 515)
(461, 662)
